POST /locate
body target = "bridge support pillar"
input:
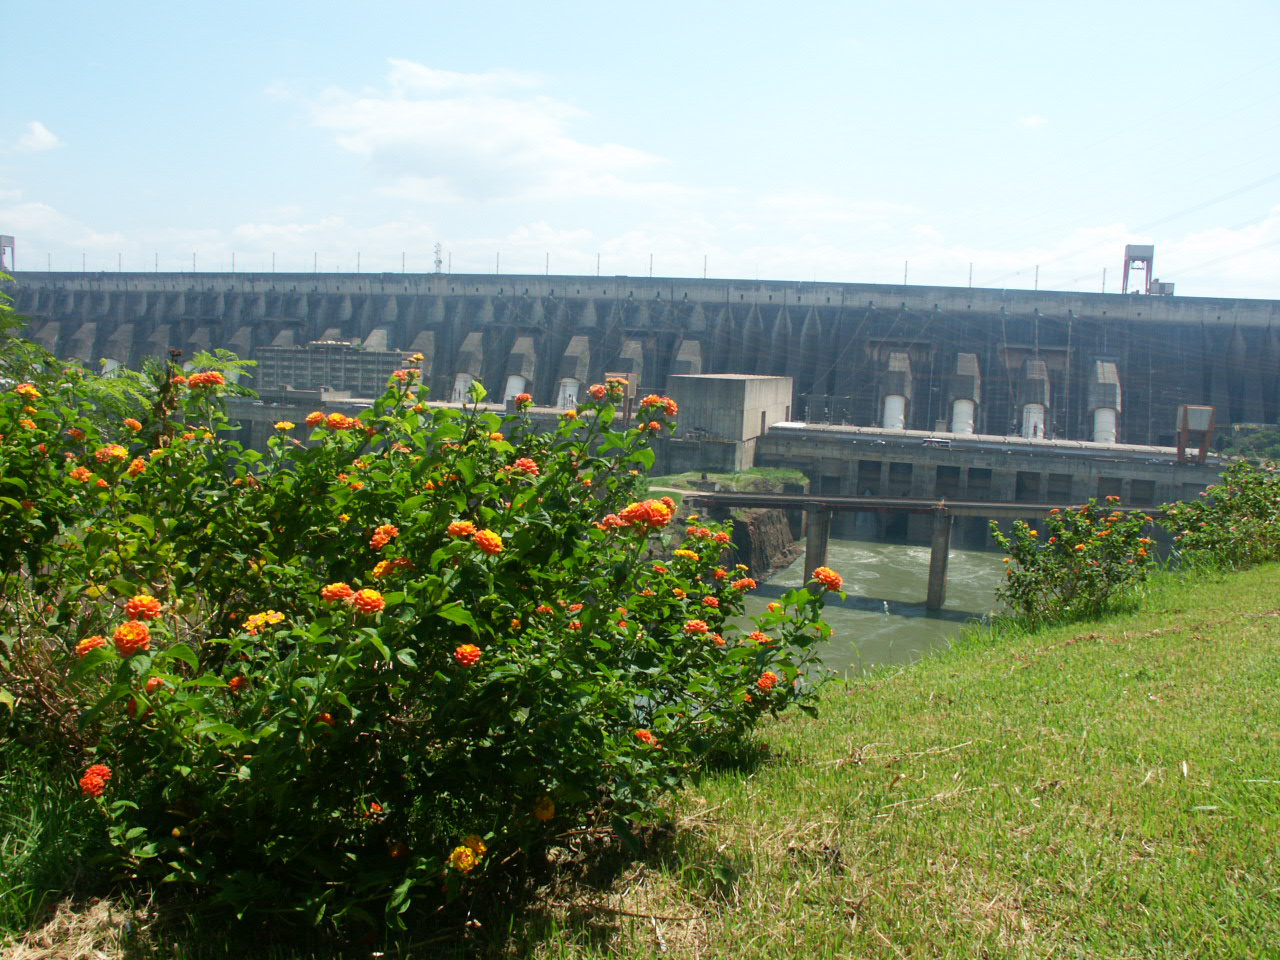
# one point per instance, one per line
(817, 538)
(938, 556)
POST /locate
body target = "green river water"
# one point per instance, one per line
(884, 620)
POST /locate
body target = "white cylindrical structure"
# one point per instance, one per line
(461, 387)
(568, 393)
(962, 414)
(1104, 425)
(1033, 421)
(895, 412)
(516, 385)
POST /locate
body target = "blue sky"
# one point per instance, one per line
(801, 140)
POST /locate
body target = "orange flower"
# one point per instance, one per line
(132, 636)
(142, 607)
(1079, 546)
(112, 451)
(137, 466)
(81, 475)
(27, 389)
(575, 624)
(710, 602)
(696, 626)
(368, 601)
(467, 655)
(525, 465)
(828, 578)
(237, 684)
(524, 400)
(154, 684)
(746, 583)
(767, 681)
(544, 808)
(760, 637)
(335, 592)
(90, 643)
(132, 424)
(95, 779)
(653, 514)
(575, 607)
(646, 737)
(596, 391)
(718, 639)
(209, 378)
(75, 433)
(314, 418)
(383, 535)
(489, 542)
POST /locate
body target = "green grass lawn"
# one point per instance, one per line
(1107, 790)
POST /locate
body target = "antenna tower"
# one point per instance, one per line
(439, 259)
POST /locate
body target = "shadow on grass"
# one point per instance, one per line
(565, 898)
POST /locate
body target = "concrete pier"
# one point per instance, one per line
(817, 538)
(939, 554)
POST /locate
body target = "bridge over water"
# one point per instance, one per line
(818, 511)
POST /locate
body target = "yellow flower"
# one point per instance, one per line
(544, 808)
(463, 859)
(285, 425)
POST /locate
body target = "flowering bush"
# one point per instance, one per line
(1083, 564)
(1235, 523)
(343, 676)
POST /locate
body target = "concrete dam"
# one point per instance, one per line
(1109, 368)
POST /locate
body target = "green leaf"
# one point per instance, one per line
(179, 651)
(455, 612)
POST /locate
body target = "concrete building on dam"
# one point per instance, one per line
(1105, 368)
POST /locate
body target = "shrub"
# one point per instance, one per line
(1235, 523)
(1086, 562)
(360, 669)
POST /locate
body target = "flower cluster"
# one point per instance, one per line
(209, 378)
(828, 578)
(647, 514)
(95, 780)
(256, 621)
(132, 636)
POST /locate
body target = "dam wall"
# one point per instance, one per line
(1106, 367)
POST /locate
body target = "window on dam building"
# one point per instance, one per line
(979, 483)
(1059, 488)
(1142, 492)
(947, 483)
(1027, 487)
(899, 480)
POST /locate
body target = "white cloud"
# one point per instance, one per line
(37, 139)
(1034, 120)
(436, 135)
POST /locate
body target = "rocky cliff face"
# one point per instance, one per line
(763, 541)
